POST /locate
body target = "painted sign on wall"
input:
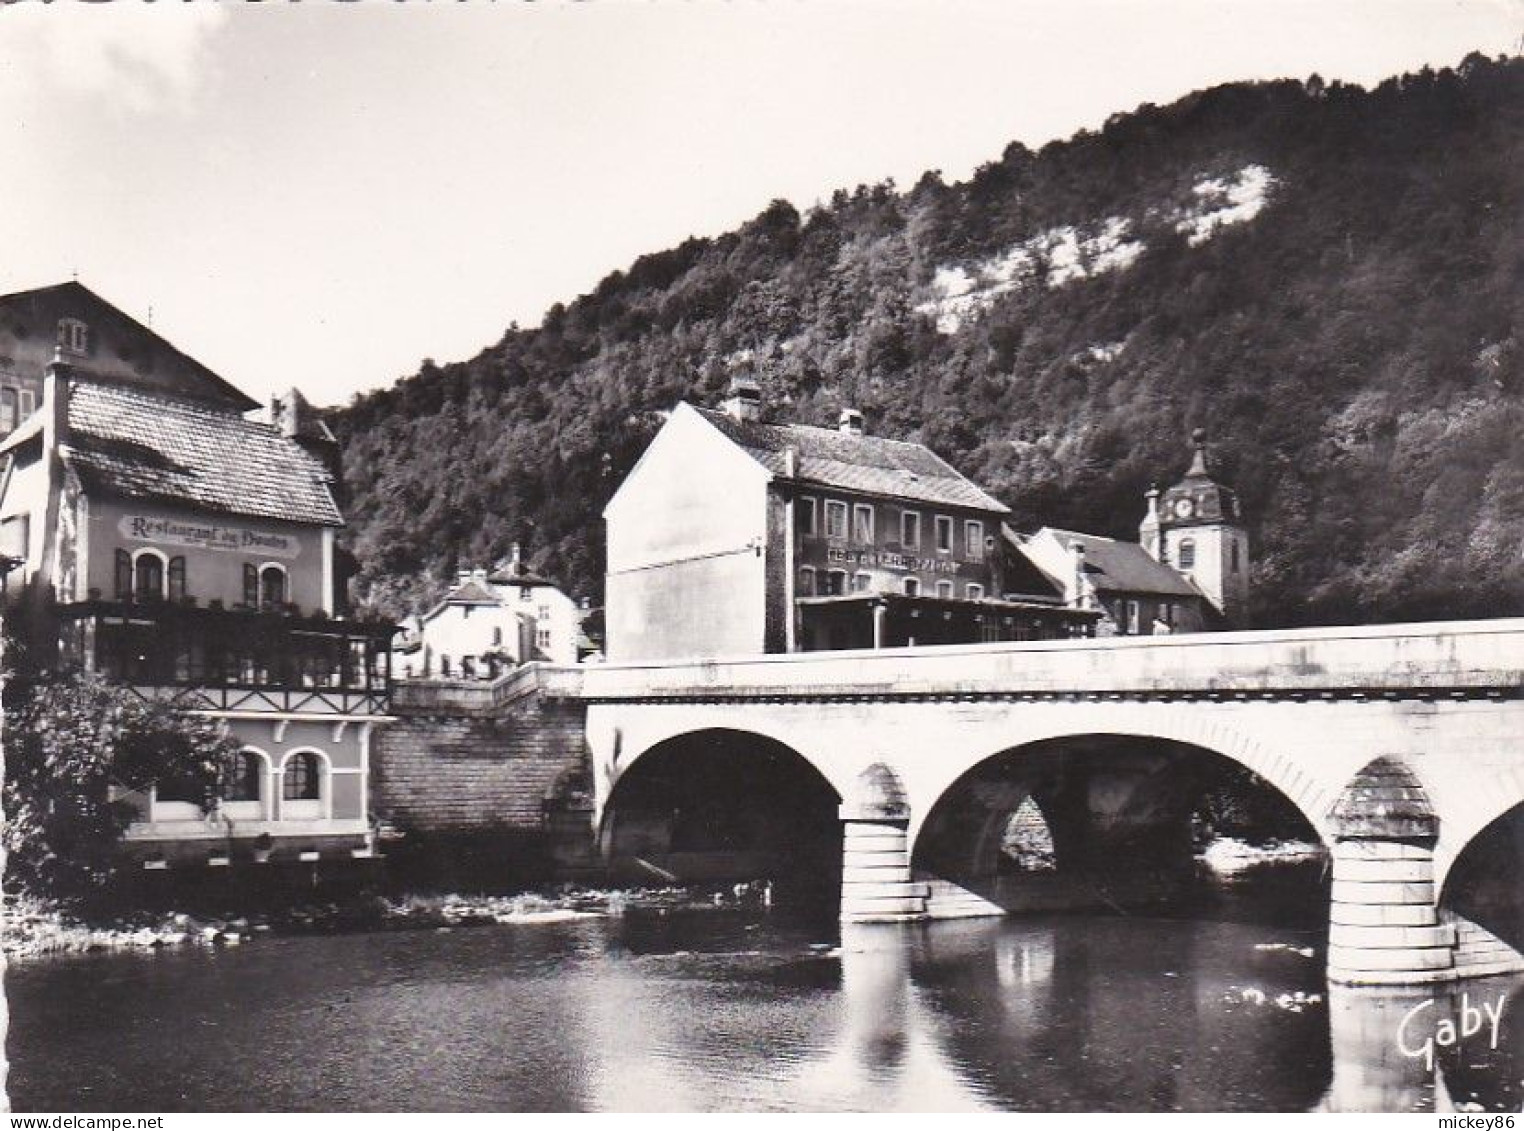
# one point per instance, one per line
(208, 536)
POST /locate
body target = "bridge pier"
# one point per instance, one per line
(876, 885)
(1384, 926)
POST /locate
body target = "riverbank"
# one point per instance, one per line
(36, 929)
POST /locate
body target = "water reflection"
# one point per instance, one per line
(709, 1012)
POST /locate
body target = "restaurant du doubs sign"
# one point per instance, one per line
(208, 536)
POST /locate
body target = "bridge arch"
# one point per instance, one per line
(1106, 814)
(1480, 897)
(717, 803)
(1313, 793)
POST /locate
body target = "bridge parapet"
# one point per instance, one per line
(1452, 658)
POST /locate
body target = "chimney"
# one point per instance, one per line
(516, 560)
(1078, 595)
(745, 400)
(1148, 529)
(791, 462)
(55, 396)
(850, 422)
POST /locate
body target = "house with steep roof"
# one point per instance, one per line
(734, 536)
(172, 544)
(492, 621)
(469, 633)
(1189, 571)
(83, 329)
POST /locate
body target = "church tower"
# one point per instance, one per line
(1196, 527)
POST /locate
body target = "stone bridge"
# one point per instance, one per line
(1399, 748)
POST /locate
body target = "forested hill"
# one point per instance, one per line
(1327, 278)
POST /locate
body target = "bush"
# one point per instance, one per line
(73, 745)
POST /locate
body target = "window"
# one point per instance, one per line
(73, 335)
(542, 638)
(973, 539)
(526, 594)
(862, 582)
(912, 587)
(148, 577)
(543, 612)
(975, 592)
(9, 410)
(16, 535)
(242, 776)
(497, 636)
(944, 534)
(804, 516)
(1134, 618)
(300, 781)
(910, 529)
(1187, 554)
(272, 587)
(1233, 555)
(945, 589)
(177, 579)
(251, 585)
(836, 519)
(302, 787)
(836, 582)
(28, 403)
(123, 576)
(862, 525)
(806, 581)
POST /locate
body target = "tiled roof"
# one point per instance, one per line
(1124, 567)
(869, 464)
(141, 446)
(470, 593)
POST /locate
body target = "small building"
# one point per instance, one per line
(174, 545)
(471, 633)
(555, 619)
(1189, 572)
(734, 536)
(1138, 595)
(490, 623)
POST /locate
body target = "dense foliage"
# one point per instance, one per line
(1354, 349)
(69, 739)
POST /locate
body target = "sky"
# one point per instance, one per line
(324, 195)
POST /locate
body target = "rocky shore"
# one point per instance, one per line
(34, 929)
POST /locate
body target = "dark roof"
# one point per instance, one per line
(470, 593)
(142, 446)
(75, 295)
(870, 464)
(1124, 567)
(522, 579)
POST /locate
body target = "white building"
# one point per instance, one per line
(490, 623)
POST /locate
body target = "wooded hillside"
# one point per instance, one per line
(1327, 278)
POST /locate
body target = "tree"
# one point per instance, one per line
(73, 745)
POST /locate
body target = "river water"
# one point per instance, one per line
(720, 1011)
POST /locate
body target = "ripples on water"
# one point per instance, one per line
(714, 1011)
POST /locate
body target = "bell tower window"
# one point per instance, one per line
(1188, 554)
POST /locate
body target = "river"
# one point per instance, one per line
(721, 1011)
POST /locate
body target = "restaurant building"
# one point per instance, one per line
(734, 536)
(169, 542)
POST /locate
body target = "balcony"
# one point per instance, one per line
(233, 659)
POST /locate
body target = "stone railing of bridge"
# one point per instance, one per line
(481, 696)
(1445, 659)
